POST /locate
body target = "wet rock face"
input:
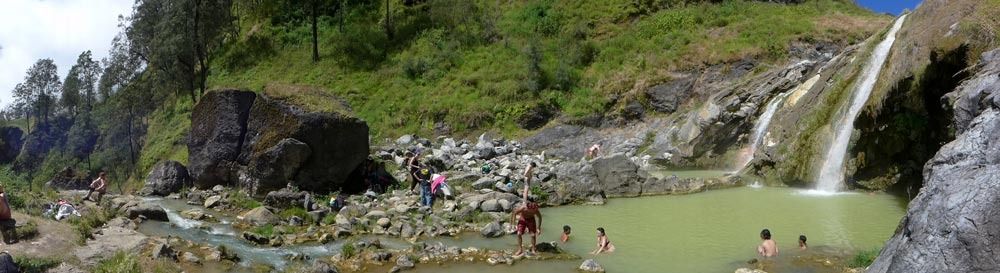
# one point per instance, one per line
(278, 165)
(68, 179)
(165, 178)
(666, 97)
(951, 225)
(618, 175)
(218, 126)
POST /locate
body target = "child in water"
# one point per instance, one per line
(603, 244)
(802, 243)
(565, 234)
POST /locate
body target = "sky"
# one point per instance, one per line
(62, 29)
(57, 29)
(889, 6)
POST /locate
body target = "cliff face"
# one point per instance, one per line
(952, 226)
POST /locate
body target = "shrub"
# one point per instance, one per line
(36, 264)
(242, 201)
(119, 263)
(296, 211)
(347, 250)
(85, 225)
(264, 231)
(864, 258)
(27, 231)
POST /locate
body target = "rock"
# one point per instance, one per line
(383, 222)
(148, 211)
(407, 231)
(449, 206)
(951, 225)
(591, 266)
(161, 250)
(218, 127)
(43, 137)
(213, 256)
(165, 178)
(194, 214)
(256, 238)
(277, 166)
(404, 262)
(537, 116)
(483, 183)
(69, 179)
(748, 270)
(189, 257)
(618, 176)
(218, 188)
(285, 198)
(338, 141)
(667, 96)
(295, 221)
(404, 140)
(260, 216)
(563, 141)
(375, 214)
(322, 267)
(548, 247)
(12, 139)
(492, 205)
(505, 205)
(492, 230)
(213, 201)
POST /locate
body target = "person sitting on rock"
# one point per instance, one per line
(767, 248)
(603, 244)
(525, 217)
(802, 243)
(7, 222)
(100, 185)
(565, 234)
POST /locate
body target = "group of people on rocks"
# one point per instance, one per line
(768, 248)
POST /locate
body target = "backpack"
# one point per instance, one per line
(7, 264)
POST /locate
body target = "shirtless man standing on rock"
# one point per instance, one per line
(525, 216)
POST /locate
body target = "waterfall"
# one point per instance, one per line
(760, 129)
(831, 176)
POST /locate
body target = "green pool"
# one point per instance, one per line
(715, 231)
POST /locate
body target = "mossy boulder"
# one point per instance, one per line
(218, 127)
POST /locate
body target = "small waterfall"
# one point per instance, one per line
(760, 129)
(831, 176)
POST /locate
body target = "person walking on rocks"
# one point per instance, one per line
(426, 196)
(413, 164)
(100, 185)
(529, 220)
(528, 174)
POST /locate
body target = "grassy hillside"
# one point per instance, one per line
(479, 65)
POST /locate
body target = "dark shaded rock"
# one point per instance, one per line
(633, 110)
(218, 127)
(618, 176)
(666, 97)
(285, 198)
(322, 267)
(42, 138)
(277, 166)
(11, 140)
(256, 238)
(537, 116)
(68, 179)
(563, 141)
(338, 140)
(161, 250)
(165, 178)
(548, 247)
(148, 211)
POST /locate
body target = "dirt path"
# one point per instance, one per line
(55, 239)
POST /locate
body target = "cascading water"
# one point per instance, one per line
(760, 129)
(831, 176)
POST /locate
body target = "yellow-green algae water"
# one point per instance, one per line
(714, 231)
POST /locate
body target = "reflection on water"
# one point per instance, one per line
(690, 173)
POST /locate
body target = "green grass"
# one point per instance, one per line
(27, 231)
(36, 264)
(296, 211)
(121, 262)
(85, 225)
(864, 258)
(165, 139)
(480, 70)
(347, 250)
(242, 201)
(265, 231)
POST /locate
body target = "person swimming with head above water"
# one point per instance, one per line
(767, 248)
(565, 234)
(603, 243)
(802, 243)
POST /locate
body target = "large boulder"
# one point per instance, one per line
(165, 178)
(576, 182)
(11, 140)
(260, 216)
(69, 179)
(277, 166)
(618, 175)
(218, 128)
(338, 141)
(285, 198)
(951, 225)
(147, 210)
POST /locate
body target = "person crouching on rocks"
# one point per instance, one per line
(426, 196)
(100, 185)
(525, 217)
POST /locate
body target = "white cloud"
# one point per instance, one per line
(56, 29)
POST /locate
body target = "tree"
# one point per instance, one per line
(38, 91)
(178, 39)
(79, 88)
(292, 10)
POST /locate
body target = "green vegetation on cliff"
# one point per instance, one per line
(475, 65)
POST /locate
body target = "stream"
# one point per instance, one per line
(714, 231)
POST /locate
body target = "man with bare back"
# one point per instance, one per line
(525, 216)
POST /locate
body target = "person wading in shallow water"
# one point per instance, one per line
(802, 243)
(603, 243)
(768, 248)
(525, 216)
